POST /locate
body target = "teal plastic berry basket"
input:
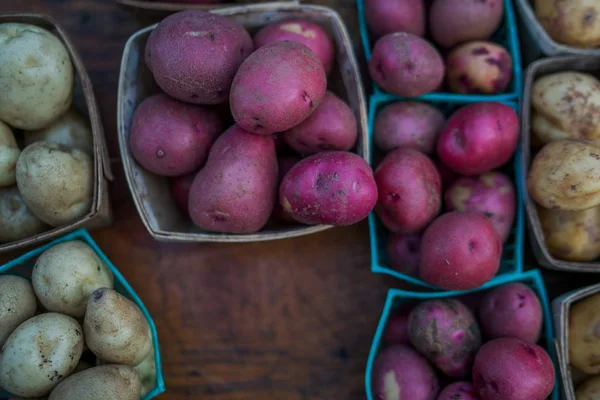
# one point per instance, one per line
(507, 35)
(512, 255)
(396, 297)
(23, 266)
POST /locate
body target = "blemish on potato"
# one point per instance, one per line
(295, 27)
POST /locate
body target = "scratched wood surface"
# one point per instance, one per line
(285, 320)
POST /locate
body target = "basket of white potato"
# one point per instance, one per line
(54, 166)
(71, 327)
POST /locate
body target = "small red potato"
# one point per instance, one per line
(335, 188)
(509, 368)
(396, 328)
(285, 163)
(277, 87)
(459, 391)
(491, 194)
(511, 310)
(406, 65)
(389, 16)
(478, 67)
(409, 191)
(332, 126)
(235, 191)
(445, 331)
(479, 137)
(410, 124)
(460, 251)
(308, 33)
(403, 251)
(194, 55)
(180, 190)
(171, 138)
(401, 373)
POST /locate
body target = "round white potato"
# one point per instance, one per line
(17, 304)
(572, 22)
(70, 129)
(9, 153)
(36, 78)
(39, 354)
(65, 275)
(589, 390)
(16, 219)
(147, 371)
(99, 383)
(56, 182)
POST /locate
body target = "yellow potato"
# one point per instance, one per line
(584, 335)
(571, 22)
(36, 78)
(566, 105)
(9, 153)
(16, 219)
(70, 129)
(565, 175)
(572, 235)
(56, 182)
(105, 382)
(589, 390)
(17, 304)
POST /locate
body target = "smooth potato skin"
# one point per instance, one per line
(306, 32)
(459, 391)
(16, 219)
(570, 22)
(334, 188)
(99, 383)
(396, 327)
(71, 129)
(17, 304)
(588, 390)
(389, 16)
(460, 251)
(409, 189)
(9, 153)
(403, 252)
(236, 190)
(406, 65)
(584, 342)
(277, 87)
(194, 55)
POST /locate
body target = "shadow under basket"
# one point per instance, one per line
(506, 36)
(151, 192)
(23, 266)
(396, 298)
(512, 254)
(536, 70)
(100, 213)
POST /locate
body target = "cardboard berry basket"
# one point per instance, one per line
(158, 7)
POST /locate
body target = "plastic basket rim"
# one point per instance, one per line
(531, 275)
(82, 234)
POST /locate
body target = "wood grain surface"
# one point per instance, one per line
(283, 320)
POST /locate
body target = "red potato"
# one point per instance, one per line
(180, 190)
(460, 251)
(235, 191)
(285, 163)
(459, 391)
(389, 16)
(194, 55)
(409, 191)
(308, 33)
(452, 22)
(479, 137)
(406, 65)
(409, 124)
(400, 373)
(277, 87)
(509, 368)
(448, 176)
(511, 310)
(332, 126)
(335, 188)
(172, 138)
(403, 252)
(478, 67)
(396, 328)
(445, 331)
(491, 194)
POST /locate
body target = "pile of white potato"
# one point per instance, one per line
(49, 183)
(49, 349)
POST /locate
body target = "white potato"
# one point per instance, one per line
(589, 390)
(39, 354)
(105, 382)
(17, 304)
(147, 371)
(9, 153)
(16, 219)
(65, 275)
(56, 182)
(571, 22)
(70, 129)
(36, 78)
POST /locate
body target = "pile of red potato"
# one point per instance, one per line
(443, 337)
(274, 86)
(460, 249)
(404, 63)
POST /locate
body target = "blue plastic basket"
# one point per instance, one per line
(23, 266)
(507, 36)
(512, 256)
(396, 297)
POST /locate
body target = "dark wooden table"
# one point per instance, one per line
(284, 320)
